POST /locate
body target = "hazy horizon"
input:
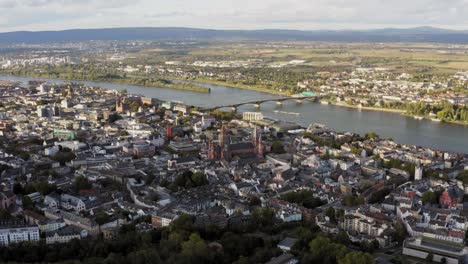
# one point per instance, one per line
(188, 27)
(40, 15)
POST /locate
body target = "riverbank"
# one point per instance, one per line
(435, 120)
(388, 110)
(442, 136)
(191, 85)
(341, 104)
(143, 82)
(396, 111)
(231, 85)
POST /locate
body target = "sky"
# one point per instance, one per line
(35, 15)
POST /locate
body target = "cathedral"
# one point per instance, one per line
(120, 106)
(225, 149)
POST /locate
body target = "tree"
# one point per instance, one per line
(199, 179)
(114, 117)
(4, 214)
(325, 251)
(463, 176)
(254, 201)
(195, 246)
(371, 135)
(114, 258)
(123, 133)
(17, 188)
(263, 217)
(184, 222)
(343, 238)
(357, 257)
(340, 213)
(369, 246)
(396, 260)
(305, 198)
(102, 218)
(190, 180)
(150, 178)
(277, 147)
(29, 188)
(429, 197)
(379, 196)
(164, 183)
(154, 197)
(44, 187)
(330, 212)
(134, 106)
(149, 255)
(82, 183)
(27, 202)
(123, 91)
(430, 257)
(353, 200)
(400, 232)
(64, 157)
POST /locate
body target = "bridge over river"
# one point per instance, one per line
(403, 129)
(299, 98)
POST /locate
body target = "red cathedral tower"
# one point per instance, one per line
(119, 104)
(257, 142)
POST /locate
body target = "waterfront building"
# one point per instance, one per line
(252, 116)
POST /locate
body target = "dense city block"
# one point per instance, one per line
(102, 176)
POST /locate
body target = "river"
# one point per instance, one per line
(403, 129)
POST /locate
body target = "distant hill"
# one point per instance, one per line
(419, 34)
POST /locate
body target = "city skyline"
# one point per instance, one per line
(37, 15)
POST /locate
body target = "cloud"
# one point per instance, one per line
(7, 3)
(232, 14)
(168, 14)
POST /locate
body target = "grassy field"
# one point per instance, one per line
(409, 57)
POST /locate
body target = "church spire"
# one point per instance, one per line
(223, 136)
(259, 146)
(255, 136)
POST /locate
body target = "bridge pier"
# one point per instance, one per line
(299, 101)
(279, 103)
(257, 106)
(234, 109)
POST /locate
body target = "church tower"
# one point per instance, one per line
(211, 150)
(418, 172)
(118, 104)
(169, 132)
(255, 137)
(70, 92)
(223, 137)
(259, 146)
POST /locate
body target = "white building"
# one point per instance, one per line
(418, 173)
(289, 215)
(252, 116)
(73, 145)
(65, 201)
(51, 225)
(20, 234)
(52, 151)
(65, 234)
(65, 103)
(207, 121)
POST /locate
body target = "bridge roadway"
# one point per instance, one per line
(259, 102)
